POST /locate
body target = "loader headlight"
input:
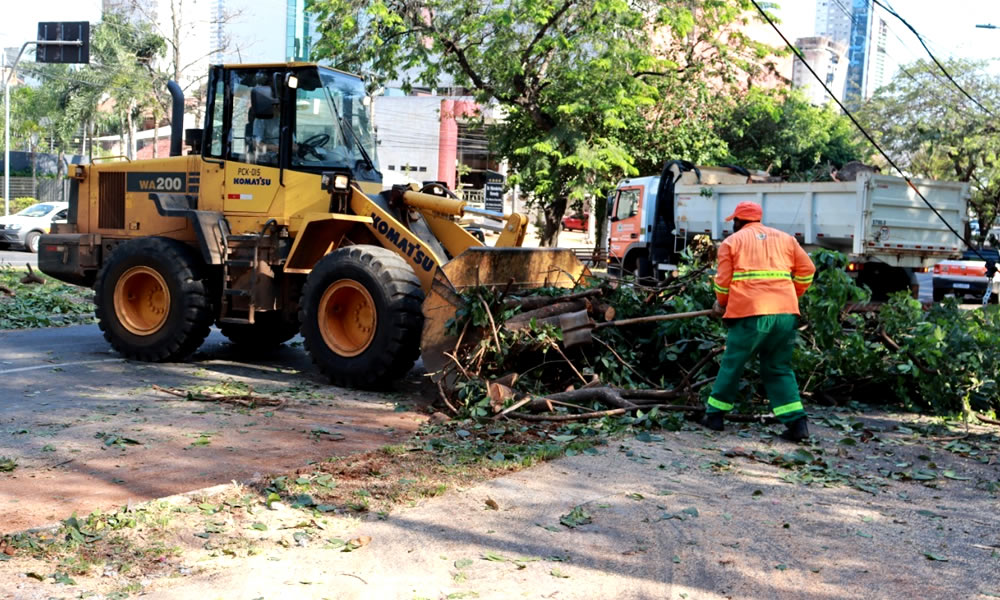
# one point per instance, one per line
(336, 181)
(14, 227)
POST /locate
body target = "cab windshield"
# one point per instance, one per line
(38, 210)
(333, 126)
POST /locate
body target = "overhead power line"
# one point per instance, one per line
(863, 131)
(934, 58)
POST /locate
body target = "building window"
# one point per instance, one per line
(422, 169)
(392, 167)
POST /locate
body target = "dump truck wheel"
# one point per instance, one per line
(151, 304)
(268, 330)
(361, 316)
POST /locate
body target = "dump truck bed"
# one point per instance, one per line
(876, 217)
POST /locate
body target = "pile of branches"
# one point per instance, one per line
(611, 349)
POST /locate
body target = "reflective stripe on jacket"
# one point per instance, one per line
(762, 271)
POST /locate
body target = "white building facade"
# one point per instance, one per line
(829, 59)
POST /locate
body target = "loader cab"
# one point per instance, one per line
(297, 116)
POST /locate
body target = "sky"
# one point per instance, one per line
(949, 28)
(20, 17)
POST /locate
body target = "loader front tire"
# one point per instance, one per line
(361, 316)
(151, 303)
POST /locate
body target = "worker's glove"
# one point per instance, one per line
(718, 310)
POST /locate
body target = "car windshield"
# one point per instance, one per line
(332, 121)
(38, 210)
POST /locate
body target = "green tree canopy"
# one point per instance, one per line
(782, 133)
(588, 87)
(931, 130)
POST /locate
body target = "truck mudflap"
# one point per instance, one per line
(70, 257)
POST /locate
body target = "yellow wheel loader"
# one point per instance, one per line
(276, 223)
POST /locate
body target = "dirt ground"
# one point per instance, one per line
(89, 432)
(877, 508)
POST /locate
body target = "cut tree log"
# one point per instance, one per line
(533, 302)
(523, 320)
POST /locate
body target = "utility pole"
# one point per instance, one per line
(6, 135)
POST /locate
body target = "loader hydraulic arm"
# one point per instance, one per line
(430, 205)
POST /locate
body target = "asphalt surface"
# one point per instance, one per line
(66, 397)
(17, 258)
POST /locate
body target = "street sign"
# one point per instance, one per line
(69, 42)
(493, 191)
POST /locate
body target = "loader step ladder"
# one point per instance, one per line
(233, 244)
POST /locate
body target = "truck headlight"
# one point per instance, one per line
(14, 227)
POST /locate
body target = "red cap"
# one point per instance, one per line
(747, 211)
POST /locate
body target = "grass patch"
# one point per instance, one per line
(51, 304)
(437, 459)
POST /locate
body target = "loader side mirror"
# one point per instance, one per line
(262, 103)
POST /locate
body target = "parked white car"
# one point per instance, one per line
(26, 227)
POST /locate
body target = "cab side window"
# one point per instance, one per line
(254, 138)
(628, 204)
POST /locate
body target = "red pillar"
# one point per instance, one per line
(447, 144)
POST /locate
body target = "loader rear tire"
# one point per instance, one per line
(269, 330)
(361, 316)
(151, 302)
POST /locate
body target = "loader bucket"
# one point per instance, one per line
(518, 268)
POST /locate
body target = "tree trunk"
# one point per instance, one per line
(176, 10)
(553, 212)
(156, 131)
(600, 216)
(130, 119)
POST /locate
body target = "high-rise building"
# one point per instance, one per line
(829, 59)
(833, 20)
(863, 27)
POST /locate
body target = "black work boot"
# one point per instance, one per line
(797, 430)
(713, 421)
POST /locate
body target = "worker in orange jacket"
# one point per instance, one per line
(762, 273)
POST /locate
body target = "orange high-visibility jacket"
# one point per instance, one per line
(762, 271)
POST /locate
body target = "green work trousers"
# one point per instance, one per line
(772, 338)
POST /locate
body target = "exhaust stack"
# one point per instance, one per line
(176, 118)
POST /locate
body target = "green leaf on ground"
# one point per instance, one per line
(953, 475)
(463, 562)
(494, 557)
(259, 526)
(558, 573)
(691, 511)
(576, 517)
(7, 464)
(676, 559)
(781, 567)
(932, 556)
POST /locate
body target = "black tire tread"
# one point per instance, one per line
(197, 318)
(404, 315)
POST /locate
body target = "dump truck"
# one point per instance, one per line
(276, 223)
(884, 227)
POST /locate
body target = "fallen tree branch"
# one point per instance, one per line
(248, 400)
(7, 290)
(654, 319)
(985, 419)
(735, 418)
(31, 277)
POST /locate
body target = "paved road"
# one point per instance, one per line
(18, 258)
(64, 391)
